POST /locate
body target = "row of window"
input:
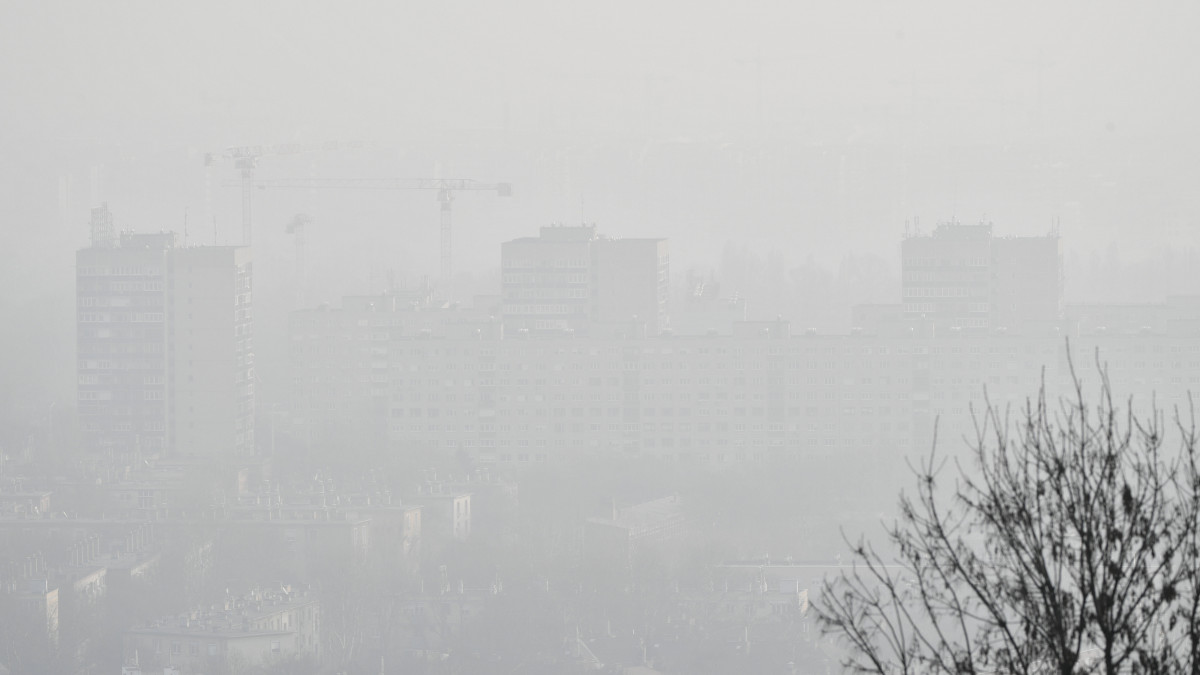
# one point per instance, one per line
(141, 395)
(487, 445)
(98, 287)
(595, 412)
(117, 271)
(655, 427)
(92, 378)
(135, 317)
(930, 261)
(535, 309)
(512, 262)
(943, 292)
(546, 293)
(530, 278)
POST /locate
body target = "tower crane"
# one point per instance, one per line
(445, 188)
(297, 227)
(245, 159)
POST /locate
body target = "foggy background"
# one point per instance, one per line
(784, 149)
(791, 139)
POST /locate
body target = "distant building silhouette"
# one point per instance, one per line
(261, 626)
(569, 278)
(962, 277)
(165, 358)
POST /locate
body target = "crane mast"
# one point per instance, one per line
(444, 187)
(445, 197)
(245, 159)
(247, 165)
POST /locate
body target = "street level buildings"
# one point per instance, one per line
(257, 628)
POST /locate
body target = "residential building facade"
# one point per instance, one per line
(962, 277)
(165, 359)
(570, 278)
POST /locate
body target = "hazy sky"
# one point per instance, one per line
(798, 128)
(584, 102)
(152, 74)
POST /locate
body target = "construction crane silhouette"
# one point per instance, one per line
(245, 159)
(445, 188)
(297, 227)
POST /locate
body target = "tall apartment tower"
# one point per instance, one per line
(631, 282)
(211, 347)
(964, 277)
(122, 337)
(571, 278)
(165, 357)
(546, 280)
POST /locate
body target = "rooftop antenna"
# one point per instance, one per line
(214, 230)
(185, 226)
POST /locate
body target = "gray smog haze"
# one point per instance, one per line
(919, 97)
(806, 132)
(148, 76)
(755, 258)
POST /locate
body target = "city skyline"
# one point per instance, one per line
(633, 338)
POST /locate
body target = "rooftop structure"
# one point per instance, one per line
(257, 627)
(570, 278)
(633, 528)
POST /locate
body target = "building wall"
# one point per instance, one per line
(213, 350)
(724, 399)
(267, 634)
(718, 399)
(122, 340)
(947, 276)
(570, 278)
(196, 652)
(340, 360)
(165, 351)
(446, 516)
(1027, 281)
(631, 279)
(40, 605)
(963, 277)
(546, 281)
(339, 371)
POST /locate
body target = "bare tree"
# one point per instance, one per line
(1070, 546)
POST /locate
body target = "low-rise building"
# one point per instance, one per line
(447, 513)
(258, 627)
(633, 529)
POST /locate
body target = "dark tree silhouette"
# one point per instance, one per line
(1069, 547)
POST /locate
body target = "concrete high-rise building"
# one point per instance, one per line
(341, 384)
(164, 340)
(569, 278)
(212, 349)
(631, 282)
(546, 280)
(1027, 281)
(122, 335)
(964, 277)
